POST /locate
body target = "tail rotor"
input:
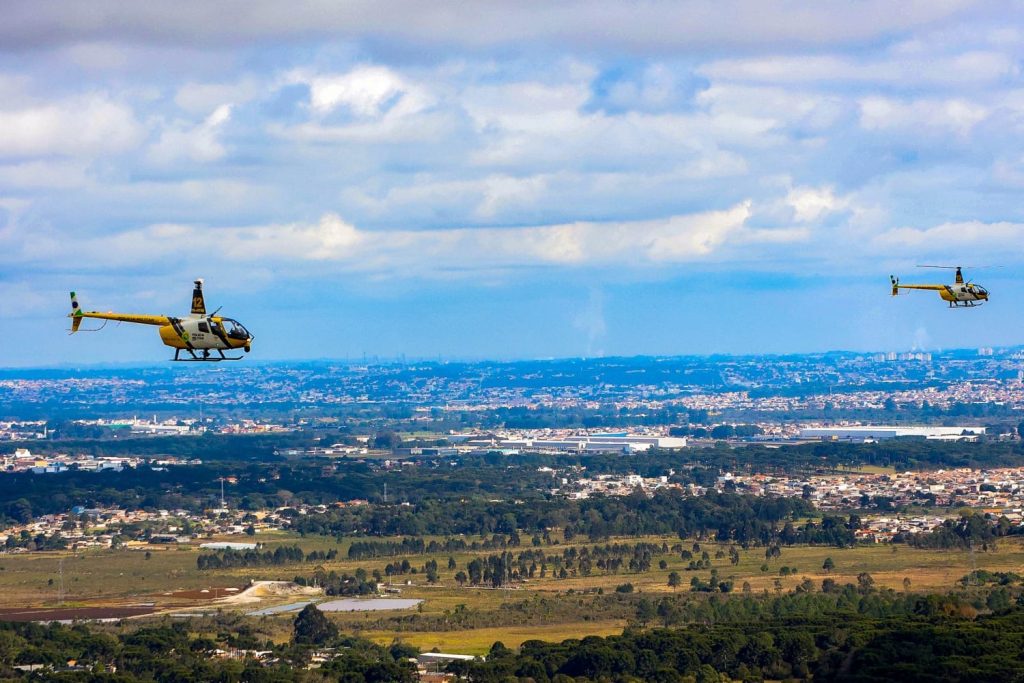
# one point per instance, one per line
(76, 313)
(77, 317)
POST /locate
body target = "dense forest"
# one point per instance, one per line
(906, 649)
(745, 519)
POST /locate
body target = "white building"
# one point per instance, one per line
(595, 443)
(881, 432)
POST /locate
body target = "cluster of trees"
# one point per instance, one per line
(857, 648)
(832, 530)
(970, 530)
(417, 546)
(399, 568)
(903, 454)
(506, 568)
(810, 602)
(26, 540)
(285, 554)
(24, 495)
(407, 546)
(169, 653)
(333, 583)
(743, 518)
(714, 584)
(982, 576)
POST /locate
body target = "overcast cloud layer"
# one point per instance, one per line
(511, 179)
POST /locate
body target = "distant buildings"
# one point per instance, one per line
(23, 460)
(861, 433)
(892, 356)
(592, 443)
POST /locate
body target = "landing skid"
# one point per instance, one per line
(205, 356)
(965, 304)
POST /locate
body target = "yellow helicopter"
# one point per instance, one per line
(199, 334)
(960, 294)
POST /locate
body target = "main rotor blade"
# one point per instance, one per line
(955, 267)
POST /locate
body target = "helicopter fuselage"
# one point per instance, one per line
(963, 292)
(209, 333)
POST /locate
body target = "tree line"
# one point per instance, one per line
(856, 648)
(285, 554)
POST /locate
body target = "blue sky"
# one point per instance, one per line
(510, 179)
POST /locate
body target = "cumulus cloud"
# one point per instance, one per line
(88, 125)
(200, 142)
(972, 236)
(403, 253)
(811, 203)
(62, 174)
(366, 91)
(955, 115)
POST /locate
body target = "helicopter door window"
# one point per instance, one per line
(235, 330)
(203, 327)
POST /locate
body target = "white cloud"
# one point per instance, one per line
(433, 127)
(546, 125)
(934, 116)
(401, 253)
(64, 174)
(199, 143)
(484, 198)
(811, 203)
(1001, 237)
(85, 125)
(789, 106)
(367, 91)
(502, 192)
(380, 105)
(526, 106)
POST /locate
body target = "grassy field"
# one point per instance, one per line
(479, 641)
(113, 577)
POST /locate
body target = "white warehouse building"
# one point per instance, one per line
(881, 432)
(596, 443)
